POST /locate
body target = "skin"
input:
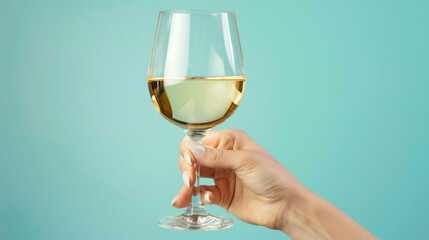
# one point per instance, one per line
(257, 189)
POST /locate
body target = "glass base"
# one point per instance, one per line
(195, 222)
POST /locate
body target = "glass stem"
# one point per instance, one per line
(196, 206)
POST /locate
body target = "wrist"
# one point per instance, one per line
(306, 215)
(299, 214)
(293, 200)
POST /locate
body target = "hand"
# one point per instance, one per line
(256, 188)
(249, 182)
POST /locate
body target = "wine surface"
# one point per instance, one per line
(196, 102)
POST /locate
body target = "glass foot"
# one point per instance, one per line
(195, 222)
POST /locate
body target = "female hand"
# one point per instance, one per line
(249, 182)
(256, 188)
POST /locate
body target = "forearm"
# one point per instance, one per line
(309, 216)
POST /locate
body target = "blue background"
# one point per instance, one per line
(337, 91)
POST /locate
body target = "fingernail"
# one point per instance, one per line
(187, 158)
(196, 148)
(174, 200)
(185, 177)
(207, 197)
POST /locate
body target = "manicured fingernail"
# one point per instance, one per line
(185, 177)
(207, 197)
(187, 158)
(174, 200)
(196, 148)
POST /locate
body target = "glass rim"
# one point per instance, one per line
(196, 11)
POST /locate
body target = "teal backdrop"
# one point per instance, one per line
(336, 90)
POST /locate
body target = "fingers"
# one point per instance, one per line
(184, 166)
(188, 173)
(210, 195)
(183, 198)
(225, 139)
(231, 139)
(217, 158)
(218, 194)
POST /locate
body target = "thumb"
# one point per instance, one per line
(216, 158)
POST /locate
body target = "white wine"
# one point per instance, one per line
(196, 102)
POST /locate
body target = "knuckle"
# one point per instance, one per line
(241, 136)
(217, 155)
(240, 132)
(227, 142)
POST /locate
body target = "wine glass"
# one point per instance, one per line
(196, 81)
